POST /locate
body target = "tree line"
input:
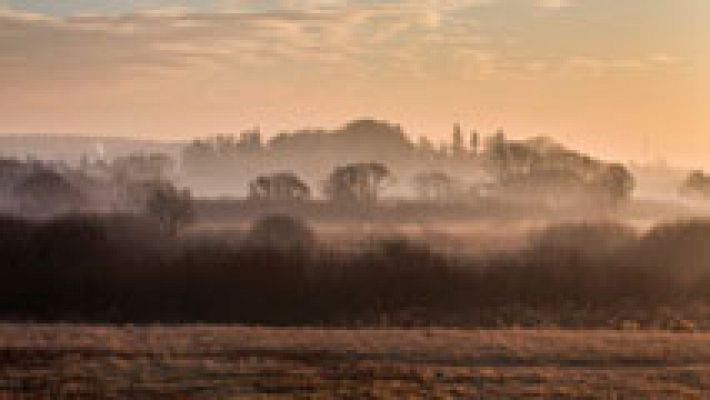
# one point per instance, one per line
(119, 268)
(137, 183)
(536, 170)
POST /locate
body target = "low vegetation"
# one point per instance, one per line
(117, 268)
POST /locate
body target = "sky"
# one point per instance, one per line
(623, 79)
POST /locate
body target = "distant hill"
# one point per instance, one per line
(71, 148)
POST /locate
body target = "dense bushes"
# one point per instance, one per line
(121, 269)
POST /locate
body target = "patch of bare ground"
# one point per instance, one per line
(214, 362)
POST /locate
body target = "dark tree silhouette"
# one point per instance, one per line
(616, 183)
(10, 168)
(697, 184)
(172, 207)
(474, 143)
(282, 186)
(457, 148)
(358, 182)
(46, 192)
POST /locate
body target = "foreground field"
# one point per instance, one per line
(207, 362)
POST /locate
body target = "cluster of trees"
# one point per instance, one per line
(542, 169)
(358, 182)
(363, 183)
(171, 207)
(351, 183)
(32, 187)
(280, 186)
(209, 164)
(122, 269)
(134, 184)
(535, 170)
(46, 191)
(360, 137)
(697, 184)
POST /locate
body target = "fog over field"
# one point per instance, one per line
(482, 230)
(347, 199)
(360, 227)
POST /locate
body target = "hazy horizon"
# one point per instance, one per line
(622, 80)
(97, 139)
(355, 199)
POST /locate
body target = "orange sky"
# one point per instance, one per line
(623, 79)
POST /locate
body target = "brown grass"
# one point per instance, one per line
(250, 362)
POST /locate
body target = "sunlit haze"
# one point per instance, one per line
(620, 79)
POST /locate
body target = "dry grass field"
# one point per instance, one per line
(211, 362)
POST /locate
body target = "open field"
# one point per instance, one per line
(208, 362)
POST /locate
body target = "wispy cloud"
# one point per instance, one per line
(403, 39)
(177, 36)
